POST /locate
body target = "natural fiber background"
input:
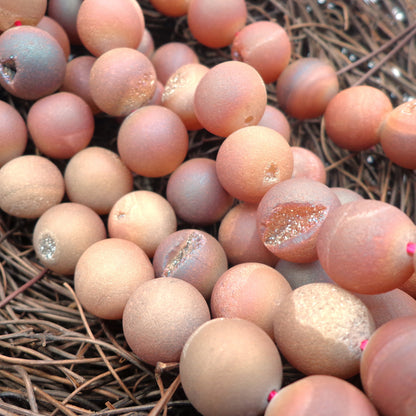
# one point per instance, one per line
(57, 360)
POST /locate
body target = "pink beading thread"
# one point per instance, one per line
(411, 248)
(363, 344)
(271, 395)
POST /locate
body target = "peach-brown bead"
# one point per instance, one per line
(354, 115)
(239, 236)
(266, 46)
(290, 216)
(231, 95)
(346, 195)
(320, 395)
(306, 164)
(159, 317)
(170, 56)
(144, 217)
(57, 31)
(32, 63)
(13, 133)
(409, 286)
(276, 120)
(179, 93)
(63, 233)
(77, 79)
(61, 124)
(157, 96)
(196, 194)
(27, 12)
(107, 24)
(299, 274)
(390, 305)
(121, 81)
(305, 87)
(152, 141)
(191, 255)
(147, 44)
(106, 275)
(29, 185)
(172, 8)
(214, 23)
(251, 160)
(65, 12)
(97, 178)
(388, 367)
(398, 135)
(362, 246)
(244, 355)
(250, 291)
(319, 328)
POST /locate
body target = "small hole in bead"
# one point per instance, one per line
(8, 69)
